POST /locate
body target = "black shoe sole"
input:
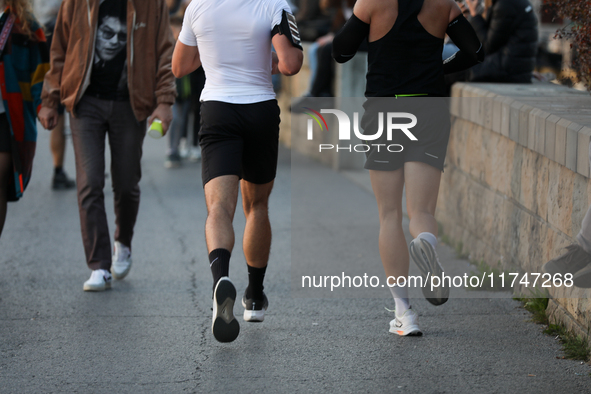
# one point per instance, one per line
(225, 327)
(423, 256)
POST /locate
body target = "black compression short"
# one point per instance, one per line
(432, 132)
(239, 139)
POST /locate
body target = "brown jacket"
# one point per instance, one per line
(149, 55)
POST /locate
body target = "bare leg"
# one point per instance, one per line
(57, 143)
(221, 196)
(422, 189)
(387, 187)
(5, 169)
(257, 233)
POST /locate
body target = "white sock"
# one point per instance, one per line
(400, 294)
(432, 239)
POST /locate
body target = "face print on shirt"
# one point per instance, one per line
(111, 38)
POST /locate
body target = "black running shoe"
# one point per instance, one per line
(224, 325)
(62, 182)
(254, 310)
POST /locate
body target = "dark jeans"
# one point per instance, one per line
(95, 119)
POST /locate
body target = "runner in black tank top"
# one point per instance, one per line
(406, 61)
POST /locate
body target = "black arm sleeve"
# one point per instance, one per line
(347, 41)
(471, 49)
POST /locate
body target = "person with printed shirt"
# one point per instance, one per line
(239, 133)
(24, 60)
(111, 69)
(404, 60)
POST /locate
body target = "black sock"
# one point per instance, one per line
(219, 262)
(256, 276)
(58, 170)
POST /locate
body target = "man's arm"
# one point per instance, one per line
(285, 37)
(289, 57)
(165, 83)
(185, 59)
(50, 95)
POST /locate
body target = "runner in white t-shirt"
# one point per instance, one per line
(239, 133)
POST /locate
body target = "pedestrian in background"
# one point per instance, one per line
(23, 63)
(46, 12)
(110, 89)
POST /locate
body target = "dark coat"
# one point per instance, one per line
(510, 38)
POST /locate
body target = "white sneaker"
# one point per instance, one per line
(406, 324)
(99, 280)
(194, 154)
(121, 261)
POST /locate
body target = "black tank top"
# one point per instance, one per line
(407, 60)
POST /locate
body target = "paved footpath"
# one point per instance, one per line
(151, 332)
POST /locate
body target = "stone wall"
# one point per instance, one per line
(516, 183)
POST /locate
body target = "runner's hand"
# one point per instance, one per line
(164, 113)
(48, 117)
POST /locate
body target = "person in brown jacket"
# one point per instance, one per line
(111, 69)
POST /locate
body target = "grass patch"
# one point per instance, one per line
(575, 347)
(536, 303)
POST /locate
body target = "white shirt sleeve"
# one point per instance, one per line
(187, 35)
(278, 8)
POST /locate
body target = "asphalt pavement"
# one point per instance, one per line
(151, 333)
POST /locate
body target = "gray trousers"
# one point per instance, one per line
(95, 119)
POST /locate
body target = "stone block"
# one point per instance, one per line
(514, 120)
(524, 115)
(542, 184)
(580, 203)
(584, 138)
(531, 128)
(506, 115)
(497, 115)
(550, 141)
(455, 106)
(572, 140)
(540, 132)
(560, 141)
(560, 195)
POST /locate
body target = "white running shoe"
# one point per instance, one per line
(121, 261)
(254, 310)
(407, 324)
(194, 154)
(425, 257)
(224, 325)
(99, 280)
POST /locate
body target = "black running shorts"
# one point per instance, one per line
(432, 132)
(239, 139)
(5, 138)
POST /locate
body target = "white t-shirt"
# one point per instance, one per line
(234, 41)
